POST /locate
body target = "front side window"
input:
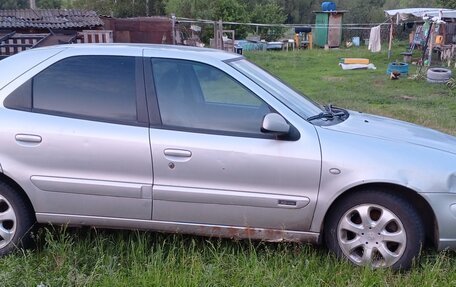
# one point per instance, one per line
(198, 96)
(297, 102)
(100, 87)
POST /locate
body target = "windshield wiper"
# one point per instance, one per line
(321, 116)
(330, 112)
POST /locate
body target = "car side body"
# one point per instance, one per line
(200, 170)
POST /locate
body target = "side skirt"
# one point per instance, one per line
(234, 232)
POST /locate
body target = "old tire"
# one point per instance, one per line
(375, 228)
(16, 220)
(438, 75)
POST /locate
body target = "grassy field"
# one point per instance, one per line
(91, 257)
(316, 73)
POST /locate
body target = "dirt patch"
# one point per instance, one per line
(379, 83)
(408, 98)
(333, 79)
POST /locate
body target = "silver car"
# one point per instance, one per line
(200, 141)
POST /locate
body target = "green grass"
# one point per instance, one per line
(91, 257)
(316, 74)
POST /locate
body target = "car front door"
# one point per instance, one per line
(213, 165)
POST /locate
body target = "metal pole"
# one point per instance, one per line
(147, 8)
(173, 17)
(426, 46)
(220, 23)
(431, 44)
(390, 45)
(32, 4)
(214, 43)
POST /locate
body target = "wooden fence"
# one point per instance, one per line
(13, 43)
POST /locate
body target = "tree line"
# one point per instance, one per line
(258, 11)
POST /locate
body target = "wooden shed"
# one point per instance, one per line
(328, 28)
(152, 30)
(29, 28)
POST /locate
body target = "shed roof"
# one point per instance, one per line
(49, 18)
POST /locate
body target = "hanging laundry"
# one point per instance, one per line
(375, 40)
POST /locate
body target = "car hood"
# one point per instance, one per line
(395, 130)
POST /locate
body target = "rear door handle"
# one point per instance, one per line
(177, 153)
(28, 138)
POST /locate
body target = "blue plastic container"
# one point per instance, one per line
(328, 6)
(400, 67)
(356, 41)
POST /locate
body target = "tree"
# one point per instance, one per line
(48, 4)
(362, 11)
(189, 8)
(14, 4)
(417, 3)
(270, 13)
(102, 7)
(300, 11)
(448, 3)
(120, 8)
(227, 10)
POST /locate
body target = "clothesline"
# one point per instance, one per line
(353, 25)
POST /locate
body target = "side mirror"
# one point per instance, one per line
(275, 124)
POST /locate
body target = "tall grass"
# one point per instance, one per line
(90, 257)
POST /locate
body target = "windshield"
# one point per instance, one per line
(297, 102)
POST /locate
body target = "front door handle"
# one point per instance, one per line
(28, 138)
(177, 153)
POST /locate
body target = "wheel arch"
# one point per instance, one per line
(425, 211)
(11, 182)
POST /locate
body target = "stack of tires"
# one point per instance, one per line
(438, 75)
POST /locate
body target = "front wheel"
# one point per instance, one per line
(375, 228)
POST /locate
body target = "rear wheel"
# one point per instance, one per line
(375, 228)
(16, 220)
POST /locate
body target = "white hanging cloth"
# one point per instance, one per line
(375, 40)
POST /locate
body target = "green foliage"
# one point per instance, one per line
(360, 10)
(269, 13)
(189, 8)
(300, 11)
(48, 4)
(231, 11)
(448, 3)
(418, 3)
(14, 4)
(120, 8)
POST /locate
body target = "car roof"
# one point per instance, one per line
(175, 49)
(10, 69)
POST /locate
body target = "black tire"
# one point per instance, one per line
(438, 75)
(363, 242)
(18, 224)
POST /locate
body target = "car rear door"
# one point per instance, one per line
(213, 165)
(79, 142)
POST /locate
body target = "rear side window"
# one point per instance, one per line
(100, 87)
